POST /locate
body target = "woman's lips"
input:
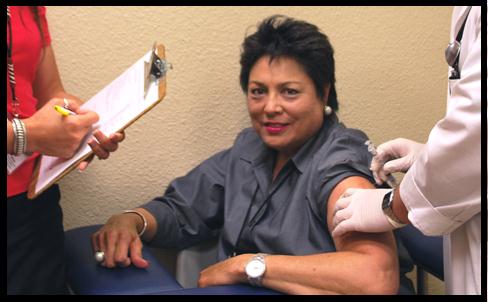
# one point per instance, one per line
(275, 128)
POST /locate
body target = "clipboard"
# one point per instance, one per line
(122, 102)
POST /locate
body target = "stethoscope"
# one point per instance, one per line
(452, 54)
(453, 50)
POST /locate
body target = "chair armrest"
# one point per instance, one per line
(237, 289)
(86, 277)
(425, 251)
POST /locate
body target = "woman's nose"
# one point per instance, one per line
(273, 105)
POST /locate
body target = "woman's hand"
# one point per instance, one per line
(102, 146)
(51, 133)
(229, 271)
(119, 242)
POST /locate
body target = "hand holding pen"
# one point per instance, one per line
(60, 133)
(100, 144)
(50, 133)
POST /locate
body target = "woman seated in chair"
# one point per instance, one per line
(272, 194)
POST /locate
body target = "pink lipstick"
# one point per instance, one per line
(275, 128)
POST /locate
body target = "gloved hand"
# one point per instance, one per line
(360, 210)
(394, 156)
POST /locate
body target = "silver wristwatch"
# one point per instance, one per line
(255, 269)
(388, 210)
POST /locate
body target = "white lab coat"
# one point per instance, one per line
(442, 189)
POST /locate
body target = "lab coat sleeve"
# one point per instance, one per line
(442, 189)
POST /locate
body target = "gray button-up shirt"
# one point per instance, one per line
(232, 192)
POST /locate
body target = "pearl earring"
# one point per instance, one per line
(328, 110)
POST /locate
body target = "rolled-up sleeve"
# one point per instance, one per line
(345, 156)
(192, 206)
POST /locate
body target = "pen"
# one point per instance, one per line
(63, 111)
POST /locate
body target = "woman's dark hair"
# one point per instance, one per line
(281, 36)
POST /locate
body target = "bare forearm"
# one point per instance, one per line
(331, 273)
(399, 208)
(48, 94)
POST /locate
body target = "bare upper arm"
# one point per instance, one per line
(375, 253)
(357, 240)
(47, 83)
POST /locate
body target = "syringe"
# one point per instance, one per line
(390, 179)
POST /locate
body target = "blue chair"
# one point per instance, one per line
(86, 277)
(426, 253)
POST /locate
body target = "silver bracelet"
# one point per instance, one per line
(143, 219)
(20, 137)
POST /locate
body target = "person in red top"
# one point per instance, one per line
(35, 235)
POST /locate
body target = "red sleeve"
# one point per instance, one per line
(44, 25)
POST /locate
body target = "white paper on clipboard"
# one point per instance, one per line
(118, 105)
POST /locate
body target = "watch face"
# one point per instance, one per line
(255, 268)
(386, 201)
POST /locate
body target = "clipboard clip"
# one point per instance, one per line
(155, 69)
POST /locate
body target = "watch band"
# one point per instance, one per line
(388, 210)
(258, 281)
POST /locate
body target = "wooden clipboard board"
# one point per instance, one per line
(161, 92)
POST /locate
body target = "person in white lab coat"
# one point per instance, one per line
(441, 192)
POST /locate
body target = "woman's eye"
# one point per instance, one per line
(257, 91)
(290, 92)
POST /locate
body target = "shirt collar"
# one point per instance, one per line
(307, 150)
(261, 154)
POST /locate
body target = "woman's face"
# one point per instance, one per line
(284, 107)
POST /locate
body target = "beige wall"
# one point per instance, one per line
(391, 81)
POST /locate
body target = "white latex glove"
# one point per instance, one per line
(394, 156)
(360, 210)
